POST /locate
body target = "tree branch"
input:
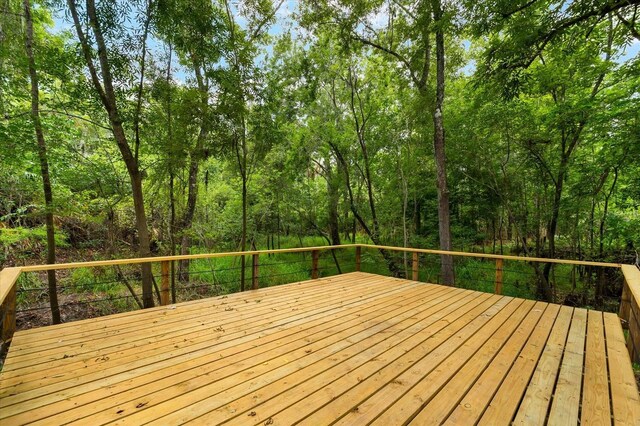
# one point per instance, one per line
(569, 22)
(51, 111)
(262, 23)
(518, 9)
(405, 9)
(543, 165)
(84, 44)
(630, 26)
(136, 122)
(391, 52)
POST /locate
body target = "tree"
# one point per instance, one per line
(406, 39)
(439, 148)
(519, 32)
(102, 79)
(196, 40)
(241, 89)
(44, 162)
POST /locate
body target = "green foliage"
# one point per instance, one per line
(26, 239)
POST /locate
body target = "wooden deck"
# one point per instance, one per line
(351, 349)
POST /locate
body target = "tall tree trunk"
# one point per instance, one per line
(417, 215)
(603, 221)
(278, 218)
(354, 230)
(405, 204)
(360, 123)
(241, 156)
(569, 143)
(172, 197)
(194, 167)
(172, 232)
(187, 219)
(104, 86)
(243, 238)
(44, 164)
(444, 231)
(544, 287)
(333, 197)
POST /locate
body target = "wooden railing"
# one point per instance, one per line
(8, 288)
(629, 308)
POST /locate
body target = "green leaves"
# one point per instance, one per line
(227, 89)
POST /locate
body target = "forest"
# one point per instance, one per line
(158, 127)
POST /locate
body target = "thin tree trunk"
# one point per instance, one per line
(354, 229)
(603, 221)
(107, 95)
(566, 153)
(332, 204)
(405, 204)
(493, 229)
(44, 164)
(360, 122)
(242, 159)
(172, 228)
(417, 215)
(172, 197)
(243, 242)
(278, 218)
(194, 167)
(444, 231)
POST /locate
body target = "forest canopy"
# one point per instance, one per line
(135, 128)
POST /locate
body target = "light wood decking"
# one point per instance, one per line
(351, 349)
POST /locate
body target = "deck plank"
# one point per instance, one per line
(350, 349)
(446, 400)
(624, 393)
(314, 394)
(216, 363)
(470, 337)
(91, 325)
(440, 391)
(504, 404)
(565, 407)
(537, 399)
(167, 322)
(172, 318)
(230, 318)
(596, 409)
(209, 348)
(279, 371)
(470, 408)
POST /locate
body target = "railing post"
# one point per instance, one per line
(9, 320)
(173, 281)
(414, 267)
(315, 254)
(164, 288)
(358, 258)
(255, 272)
(498, 284)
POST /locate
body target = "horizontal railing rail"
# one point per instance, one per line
(139, 260)
(492, 256)
(629, 304)
(135, 261)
